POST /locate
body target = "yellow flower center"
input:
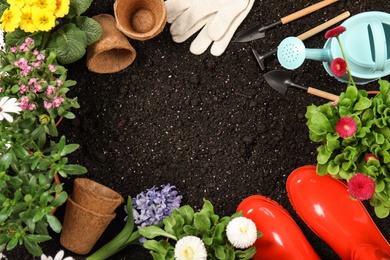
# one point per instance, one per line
(188, 253)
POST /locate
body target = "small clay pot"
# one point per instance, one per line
(82, 227)
(113, 51)
(95, 196)
(140, 19)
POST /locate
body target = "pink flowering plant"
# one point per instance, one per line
(33, 98)
(354, 137)
(38, 83)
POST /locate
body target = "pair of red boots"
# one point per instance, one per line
(325, 205)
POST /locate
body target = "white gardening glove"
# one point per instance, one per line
(221, 17)
(210, 34)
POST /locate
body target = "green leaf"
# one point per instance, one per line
(382, 211)
(155, 246)
(153, 231)
(187, 212)
(54, 223)
(38, 238)
(201, 222)
(92, 29)
(78, 7)
(59, 199)
(6, 160)
(69, 148)
(69, 42)
(32, 247)
(73, 169)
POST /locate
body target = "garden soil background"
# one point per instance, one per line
(209, 125)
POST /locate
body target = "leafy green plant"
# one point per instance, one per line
(54, 25)
(367, 151)
(28, 192)
(205, 225)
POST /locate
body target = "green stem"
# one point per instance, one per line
(350, 79)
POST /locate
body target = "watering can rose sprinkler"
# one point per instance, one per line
(365, 43)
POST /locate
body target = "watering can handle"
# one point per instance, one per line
(380, 50)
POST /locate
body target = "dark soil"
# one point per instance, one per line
(210, 125)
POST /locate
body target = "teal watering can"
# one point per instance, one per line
(366, 44)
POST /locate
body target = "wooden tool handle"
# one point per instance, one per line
(323, 26)
(323, 94)
(306, 11)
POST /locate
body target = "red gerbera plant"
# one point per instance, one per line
(346, 127)
(338, 67)
(361, 187)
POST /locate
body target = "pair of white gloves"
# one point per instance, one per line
(218, 19)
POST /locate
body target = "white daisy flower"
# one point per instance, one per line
(241, 232)
(190, 248)
(59, 256)
(8, 105)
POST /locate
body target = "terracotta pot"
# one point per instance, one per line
(95, 196)
(113, 51)
(82, 227)
(140, 19)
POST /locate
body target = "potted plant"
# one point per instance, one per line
(54, 25)
(354, 137)
(33, 91)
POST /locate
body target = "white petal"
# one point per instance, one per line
(3, 100)
(7, 117)
(59, 255)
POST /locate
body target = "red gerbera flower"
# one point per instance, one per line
(361, 187)
(338, 67)
(346, 127)
(335, 32)
(370, 156)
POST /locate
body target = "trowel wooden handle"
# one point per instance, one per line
(323, 26)
(323, 94)
(306, 11)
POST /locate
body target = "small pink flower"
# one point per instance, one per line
(50, 90)
(47, 105)
(57, 101)
(13, 49)
(51, 67)
(59, 82)
(40, 57)
(338, 67)
(361, 187)
(23, 89)
(32, 81)
(335, 32)
(37, 88)
(346, 127)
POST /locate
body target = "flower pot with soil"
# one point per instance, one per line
(140, 19)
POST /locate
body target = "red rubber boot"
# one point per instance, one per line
(282, 238)
(325, 205)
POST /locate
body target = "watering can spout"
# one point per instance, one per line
(323, 55)
(292, 53)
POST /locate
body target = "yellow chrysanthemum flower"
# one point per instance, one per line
(27, 23)
(62, 8)
(43, 20)
(10, 19)
(47, 5)
(17, 3)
